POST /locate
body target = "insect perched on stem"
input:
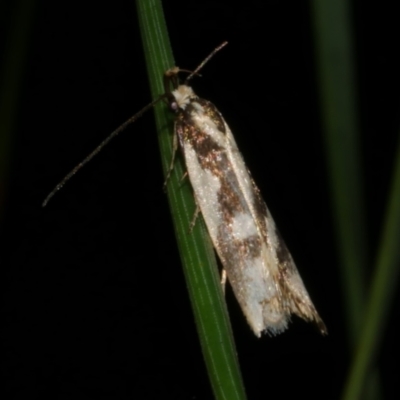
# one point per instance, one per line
(254, 257)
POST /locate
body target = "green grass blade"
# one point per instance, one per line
(335, 56)
(336, 69)
(196, 251)
(382, 291)
(12, 72)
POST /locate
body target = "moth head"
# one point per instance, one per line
(181, 97)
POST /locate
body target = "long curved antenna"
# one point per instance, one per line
(99, 148)
(128, 122)
(206, 60)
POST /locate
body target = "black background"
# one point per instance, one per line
(95, 302)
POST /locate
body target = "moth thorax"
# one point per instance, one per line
(182, 95)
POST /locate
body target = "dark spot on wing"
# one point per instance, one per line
(213, 113)
(284, 257)
(211, 156)
(252, 246)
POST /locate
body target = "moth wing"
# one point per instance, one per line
(239, 223)
(291, 294)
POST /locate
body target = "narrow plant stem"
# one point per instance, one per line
(384, 284)
(196, 251)
(12, 72)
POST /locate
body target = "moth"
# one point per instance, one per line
(255, 259)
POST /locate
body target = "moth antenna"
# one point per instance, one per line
(123, 126)
(99, 148)
(205, 61)
(189, 72)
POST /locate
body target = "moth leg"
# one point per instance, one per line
(171, 166)
(184, 176)
(194, 219)
(223, 280)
